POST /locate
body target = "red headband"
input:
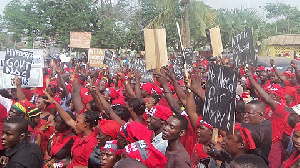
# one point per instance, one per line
(206, 124)
(133, 131)
(246, 136)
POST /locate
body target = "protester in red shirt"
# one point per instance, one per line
(293, 160)
(279, 119)
(86, 136)
(60, 143)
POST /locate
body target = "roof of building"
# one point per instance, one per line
(285, 39)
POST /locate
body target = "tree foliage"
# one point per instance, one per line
(121, 24)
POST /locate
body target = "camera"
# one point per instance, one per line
(221, 155)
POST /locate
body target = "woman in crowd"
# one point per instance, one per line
(107, 131)
(293, 160)
(60, 143)
(85, 140)
(42, 106)
(109, 154)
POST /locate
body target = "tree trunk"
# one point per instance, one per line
(186, 34)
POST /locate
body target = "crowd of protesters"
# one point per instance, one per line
(86, 117)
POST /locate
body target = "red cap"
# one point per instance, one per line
(109, 127)
(133, 131)
(161, 112)
(146, 153)
(148, 87)
(297, 127)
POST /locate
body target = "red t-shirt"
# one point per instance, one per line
(82, 149)
(40, 90)
(279, 120)
(3, 115)
(45, 135)
(189, 138)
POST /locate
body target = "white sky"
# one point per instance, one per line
(217, 3)
(246, 3)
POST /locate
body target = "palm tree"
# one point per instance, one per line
(200, 15)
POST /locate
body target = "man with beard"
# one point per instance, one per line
(20, 152)
(173, 130)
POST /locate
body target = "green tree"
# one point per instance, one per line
(286, 18)
(194, 16)
(234, 21)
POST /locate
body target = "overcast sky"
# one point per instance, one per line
(246, 3)
(217, 3)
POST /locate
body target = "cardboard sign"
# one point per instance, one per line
(243, 49)
(35, 79)
(18, 62)
(216, 42)
(96, 57)
(80, 39)
(155, 48)
(219, 106)
(38, 57)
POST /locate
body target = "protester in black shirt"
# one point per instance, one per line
(20, 152)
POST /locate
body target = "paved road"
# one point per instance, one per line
(282, 63)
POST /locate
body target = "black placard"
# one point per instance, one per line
(189, 56)
(140, 64)
(220, 95)
(108, 57)
(18, 62)
(113, 66)
(243, 49)
(178, 66)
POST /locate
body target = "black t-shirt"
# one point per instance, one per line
(94, 160)
(262, 136)
(25, 155)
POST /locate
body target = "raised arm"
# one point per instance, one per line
(161, 78)
(294, 65)
(76, 98)
(94, 91)
(261, 92)
(279, 74)
(20, 93)
(60, 81)
(191, 108)
(64, 115)
(128, 88)
(180, 93)
(109, 111)
(196, 85)
(138, 91)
